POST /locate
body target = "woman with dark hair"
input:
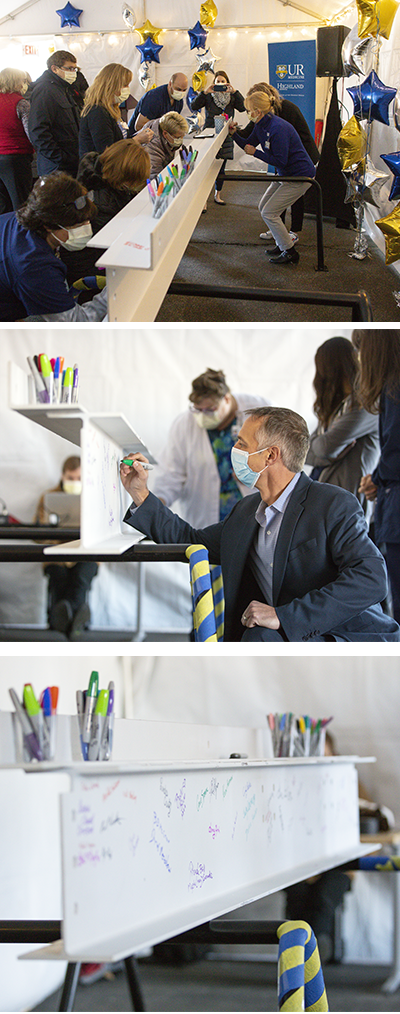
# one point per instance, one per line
(32, 276)
(346, 442)
(220, 98)
(114, 178)
(379, 392)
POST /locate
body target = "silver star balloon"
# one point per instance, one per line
(194, 122)
(396, 111)
(206, 61)
(358, 54)
(144, 74)
(128, 16)
(364, 182)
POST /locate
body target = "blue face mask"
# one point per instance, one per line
(241, 468)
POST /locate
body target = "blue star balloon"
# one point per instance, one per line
(69, 16)
(190, 95)
(372, 99)
(393, 161)
(197, 36)
(149, 51)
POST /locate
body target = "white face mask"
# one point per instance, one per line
(72, 486)
(77, 237)
(123, 96)
(177, 95)
(70, 76)
(207, 422)
(174, 142)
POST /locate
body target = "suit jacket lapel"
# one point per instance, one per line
(241, 536)
(291, 515)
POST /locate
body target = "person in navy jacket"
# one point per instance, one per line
(297, 561)
(154, 103)
(276, 142)
(380, 392)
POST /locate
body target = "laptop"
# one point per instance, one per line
(63, 509)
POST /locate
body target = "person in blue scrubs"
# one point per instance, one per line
(33, 282)
(158, 101)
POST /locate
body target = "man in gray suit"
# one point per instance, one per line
(297, 561)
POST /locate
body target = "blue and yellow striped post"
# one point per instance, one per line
(207, 596)
(300, 980)
(387, 864)
(217, 586)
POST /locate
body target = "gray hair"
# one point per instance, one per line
(285, 428)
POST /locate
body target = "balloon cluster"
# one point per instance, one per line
(371, 100)
(206, 59)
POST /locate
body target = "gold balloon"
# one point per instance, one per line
(208, 13)
(148, 31)
(351, 143)
(199, 80)
(375, 17)
(390, 226)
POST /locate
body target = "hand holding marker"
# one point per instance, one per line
(95, 718)
(37, 720)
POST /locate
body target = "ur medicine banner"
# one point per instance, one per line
(292, 71)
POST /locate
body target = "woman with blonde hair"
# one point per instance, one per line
(16, 151)
(100, 124)
(168, 133)
(281, 147)
(113, 178)
(292, 114)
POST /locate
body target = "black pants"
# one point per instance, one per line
(71, 583)
(297, 215)
(315, 903)
(392, 557)
(219, 182)
(15, 181)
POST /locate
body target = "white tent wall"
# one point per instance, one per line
(231, 691)
(239, 39)
(101, 39)
(146, 374)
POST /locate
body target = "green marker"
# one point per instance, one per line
(129, 461)
(34, 712)
(100, 712)
(90, 704)
(68, 382)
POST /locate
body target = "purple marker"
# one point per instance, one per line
(75, 384)
(107, 733)
(29, 735)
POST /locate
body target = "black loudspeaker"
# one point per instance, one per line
(329, 50)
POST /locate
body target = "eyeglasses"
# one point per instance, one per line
(83, 200)
(203, 411)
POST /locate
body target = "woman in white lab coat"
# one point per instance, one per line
(195, 467)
